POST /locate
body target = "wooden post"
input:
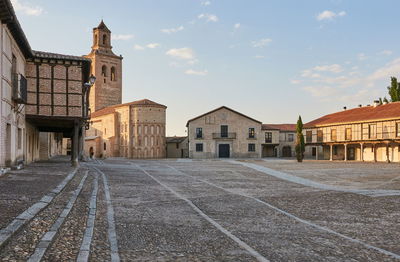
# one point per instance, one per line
(345, 152)
(387, 153)
(331, 153)
(75, 145)
(374, 146)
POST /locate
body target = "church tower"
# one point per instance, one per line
(107, 67)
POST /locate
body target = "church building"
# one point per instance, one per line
(135, 129)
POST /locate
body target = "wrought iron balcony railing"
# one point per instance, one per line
(224, 135)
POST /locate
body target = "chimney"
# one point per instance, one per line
(344, 108)
(376, 103)
(360, 105)
(385, 102)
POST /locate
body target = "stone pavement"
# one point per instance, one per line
(168, 210)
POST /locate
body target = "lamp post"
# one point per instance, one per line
(85, 124)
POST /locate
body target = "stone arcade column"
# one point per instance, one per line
(345, 152)
(387, 153)
(362, 152)
(374, 146)
(316, 153)
(331, 153)
(75, 145)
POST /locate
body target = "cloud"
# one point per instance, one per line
(390, 69)
(196, 73)
(152, 45)
(208, 17)
(236, 26)
(329, 15)
(295, 82)
(205, 3)
(25, 9)
(362, 57)
(192, 62)
(172, 30)
(261, 43)
(122, 37)
(320, 91)
(138, 47)
(181, 53)
(309, 74)
(335, 68)
(385, 52)
(259, 56)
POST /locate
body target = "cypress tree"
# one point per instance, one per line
(300, 146)
(394, 90)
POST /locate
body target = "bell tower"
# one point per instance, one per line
(107, 67)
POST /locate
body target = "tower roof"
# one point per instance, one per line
(102, 26)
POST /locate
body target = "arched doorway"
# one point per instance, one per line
(287, 151)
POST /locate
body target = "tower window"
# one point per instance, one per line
(113, 74)
(104, 39)
(104, 71)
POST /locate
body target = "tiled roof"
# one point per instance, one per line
(361, 114)
(281, 127)
(41, 54)
(111, 109)
(219, 108)
(175, 139)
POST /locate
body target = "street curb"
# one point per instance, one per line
(23, 218)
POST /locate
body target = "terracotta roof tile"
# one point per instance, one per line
(281, 127)
(111, 109)
(361, 114)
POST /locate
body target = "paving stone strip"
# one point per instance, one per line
(322, 228)
(112, 234)
(33, 210)
(49, 236)
(310, 183)
(242, 244)
(84, 250)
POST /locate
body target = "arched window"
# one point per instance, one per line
(95, 39)
(104, 39)
(112, 73)
(104, 71)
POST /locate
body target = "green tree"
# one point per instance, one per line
(394, 90)
(300, 146)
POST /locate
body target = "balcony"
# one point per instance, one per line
(20, 92)
(224, 135)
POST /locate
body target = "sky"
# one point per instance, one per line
(271, 60)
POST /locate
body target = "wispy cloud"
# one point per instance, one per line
(122, 37)
(153, 45)
(26, 9)
(335, 68)
(329, 15)
(138, 47)
(362, 57)
(205, 3)
(197, 73)
(208, 17)
(236, 26)
(295, 82)
(386, 52)
(390, 69)
(259, 57)
(172, 30)
(262, 42)
(185, 53)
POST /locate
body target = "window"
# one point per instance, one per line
(105, 146)
(372, 131)
(268, 137)
(177, 145)
(252, 133)
(104, 71)
(314, 151)
(320, 136)
(333, 135)
(252, 147)
(199, 147)
(335, 150)
(113, 74)
(348, 134)
(309, 136)
(199, 132)
(290, 137)
(104, 39)
(398, 129)
(224, 131)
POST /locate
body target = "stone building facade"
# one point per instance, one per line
(107, 67)
(369, 133)
(133, 130)
(177, 147)
(224, 133)
(280, 140)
